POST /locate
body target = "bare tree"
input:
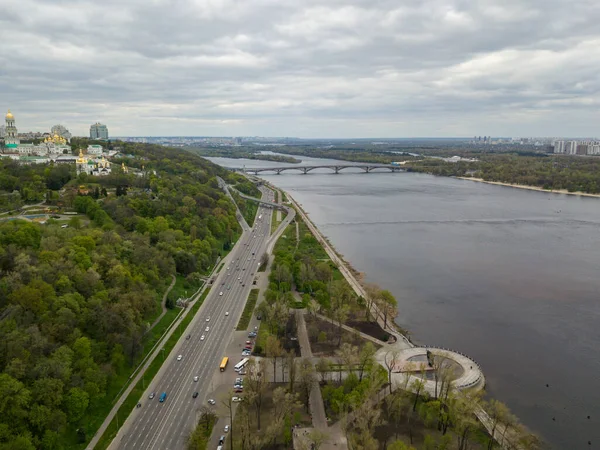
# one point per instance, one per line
(349, 355)
(306, 379)
(273, 350)
(323, 367)
(388, 305)
(461, 409)
(228, 403)
(256, 386)
(390, 362)
(318, 438)
(366, 418)
(366, 359)
(497, 412)
(372, 291)
(291, 364)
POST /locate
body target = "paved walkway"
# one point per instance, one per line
(163, 303)
(305, 349)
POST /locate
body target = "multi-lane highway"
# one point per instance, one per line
(166, 425)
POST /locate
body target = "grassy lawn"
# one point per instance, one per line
(183, 288)
(248, 309)
(136, 393)
(287, 241)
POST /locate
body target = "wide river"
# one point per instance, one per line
(510, 277)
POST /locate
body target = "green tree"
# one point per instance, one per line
(76, 402)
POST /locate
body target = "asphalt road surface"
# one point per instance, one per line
(167, 425)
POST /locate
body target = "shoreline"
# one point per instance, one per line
(530, 188)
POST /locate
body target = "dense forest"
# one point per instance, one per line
(242, 152)
(572, 173)
(349, 153)
(76, 301)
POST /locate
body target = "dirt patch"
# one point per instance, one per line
(323, 336)
(370, 328)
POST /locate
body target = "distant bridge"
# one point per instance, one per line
(367, 168)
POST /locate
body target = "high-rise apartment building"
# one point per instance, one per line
(571, 147)
(99, 131)
(559, 146)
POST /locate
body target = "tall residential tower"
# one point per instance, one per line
(99, 131)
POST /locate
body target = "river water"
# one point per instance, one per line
(509, 277)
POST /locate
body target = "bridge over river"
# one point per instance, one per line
(336, 168)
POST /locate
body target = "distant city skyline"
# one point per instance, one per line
(316, 69)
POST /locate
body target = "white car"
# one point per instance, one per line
(211, 401)
(202, 337)
(180, 357)
(221, 293)
(196, 378)
(207, 328)
(236, 399)
(226, 313)
(226, 429)
(208, 319)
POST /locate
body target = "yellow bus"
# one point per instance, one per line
(224, 364)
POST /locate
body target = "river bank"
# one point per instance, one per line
(471, 261)
(530, 188)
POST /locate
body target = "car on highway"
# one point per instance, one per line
(211, 401)
(207, 328)
(236, 399)
(221, 440)
(226, 429)
(163, 397)
(226, 313)
(221, 293)
(187, 338)
(246, 353)
(251, 334)
(208, 319)
(196, 378)
(180, 357)
(243, 284)
(195, 395)
(151, 396)
(228, 287)
(202, 337)
(239, 278)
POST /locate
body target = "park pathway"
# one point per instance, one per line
(163, 303)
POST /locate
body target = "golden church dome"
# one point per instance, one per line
(9, 115)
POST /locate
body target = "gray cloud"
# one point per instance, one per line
(303, 68)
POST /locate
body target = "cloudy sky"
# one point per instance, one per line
(305, 68)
